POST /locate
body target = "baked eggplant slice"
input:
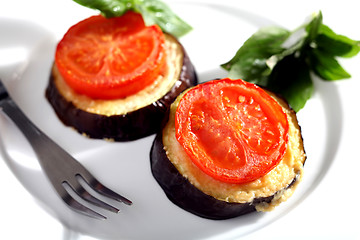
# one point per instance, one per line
(194, 190)
(128, 118)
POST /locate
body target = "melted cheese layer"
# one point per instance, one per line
(169, 75)
(275, 183)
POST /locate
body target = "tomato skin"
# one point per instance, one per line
(111, 58)
(232, 130)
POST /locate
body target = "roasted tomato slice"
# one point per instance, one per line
(232, 130)
(111, 58)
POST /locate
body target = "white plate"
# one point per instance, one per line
(124, 167)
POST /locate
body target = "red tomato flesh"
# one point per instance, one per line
(232, 130)
(111, 58)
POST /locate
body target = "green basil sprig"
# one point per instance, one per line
(281, 60)
(153, 12)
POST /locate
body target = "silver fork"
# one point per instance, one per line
(61, 168)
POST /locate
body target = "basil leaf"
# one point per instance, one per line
(291, 79)
(335, 44)
(294, 48)
(326, 66)
(252, 68)
(157, 12)
(250, 61)
(108, 8)
(313, 27)
(153, 12)
(267, 41)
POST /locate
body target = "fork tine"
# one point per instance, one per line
(98, 187)
(76, 206)
(81, 192)
(101, 189)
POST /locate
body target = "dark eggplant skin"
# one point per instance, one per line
(183, 194)
(125, 127)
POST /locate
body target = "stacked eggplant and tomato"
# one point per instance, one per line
(114, 78)
(223, 148)
(227, 149)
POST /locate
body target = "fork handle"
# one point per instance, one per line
(43, 146)
(26, 126)
(13, 111)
